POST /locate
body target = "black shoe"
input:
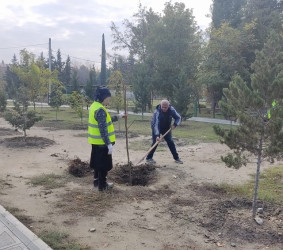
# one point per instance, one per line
(150, 160)
(95, 182)
(107, 186)
(179, 161)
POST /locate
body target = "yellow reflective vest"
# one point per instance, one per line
(94, 136)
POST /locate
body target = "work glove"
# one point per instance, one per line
(123, 115)
(110, 149)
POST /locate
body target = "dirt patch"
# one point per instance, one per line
(4, 184)
(90, 203)
(8, 131)
(20, 215)
(141, 175)
(174, 210)
(79, 168)
(27, 142)
(142, 193)
(122, 134)
(231, 218)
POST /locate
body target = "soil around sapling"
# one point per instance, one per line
(142, 175)
(27, 142)
(79, 168)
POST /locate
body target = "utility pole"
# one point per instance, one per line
(49, 84)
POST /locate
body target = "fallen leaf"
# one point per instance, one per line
(219, 244)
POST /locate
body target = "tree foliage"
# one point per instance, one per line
(77, 101)
(116, 82)
(258, 133)
(223, 58)
(20, 117)
(3, 99)
(57, 97)
(174, 48)
(142, 87)
(224, 11)
(133, 39)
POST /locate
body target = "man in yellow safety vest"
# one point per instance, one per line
(101, 135)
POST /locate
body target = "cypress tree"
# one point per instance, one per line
(103, 63)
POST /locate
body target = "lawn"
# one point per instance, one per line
(68, 119)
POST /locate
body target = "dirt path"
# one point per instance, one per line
(175, 212)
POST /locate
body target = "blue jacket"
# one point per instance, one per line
(161, 121)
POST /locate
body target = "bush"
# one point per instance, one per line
(21, 120)
(3, 100)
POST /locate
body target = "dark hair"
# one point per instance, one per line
(101, 94)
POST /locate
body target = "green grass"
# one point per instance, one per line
(48, 181)
(270, 186)
(20, 215)
(66, 118)
(59, 241)
(195, 132)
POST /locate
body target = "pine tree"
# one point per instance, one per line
(75, 81)
(59, 66)
(259, 109)
(227, 11)
(91, 82)
(103, 63)
(67, 74)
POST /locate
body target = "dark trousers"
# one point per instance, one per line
(101, 162)
(170, 143)
(101, 177)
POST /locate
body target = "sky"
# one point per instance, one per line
(74, 26)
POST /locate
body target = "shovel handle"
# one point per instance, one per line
(154, 145)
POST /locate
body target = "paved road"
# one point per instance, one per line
(15, 236)
(196, 119)
(213, 120)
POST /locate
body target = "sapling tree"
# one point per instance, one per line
(56, 97)
(259, 110)
(20, 117)
(116, 83)
(77, 102)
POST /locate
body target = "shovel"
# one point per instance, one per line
(152, 147)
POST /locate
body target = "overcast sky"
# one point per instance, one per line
(74, 26)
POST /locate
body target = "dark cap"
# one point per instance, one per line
(101, 94)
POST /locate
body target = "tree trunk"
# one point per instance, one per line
(25, 125)
(126, 130)
(259, 156)
(213, 109)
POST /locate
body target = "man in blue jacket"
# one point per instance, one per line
(161, 122)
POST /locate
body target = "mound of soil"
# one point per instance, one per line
(141, 175)
(27, 142)
(234, 219)
(79, 168)
(231, 218)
